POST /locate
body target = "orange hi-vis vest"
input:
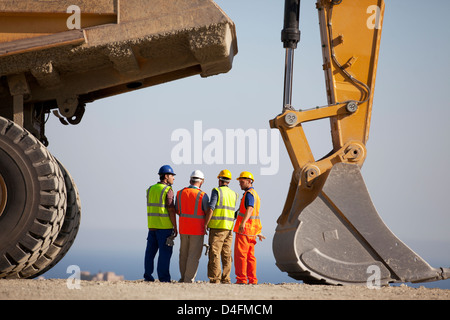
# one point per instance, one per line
(253, 225)
(189, 207)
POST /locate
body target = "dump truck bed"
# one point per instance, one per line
(119, 46)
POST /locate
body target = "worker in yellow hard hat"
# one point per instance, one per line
(226, 174)
(247, 228)
(246, 175)
(219, 221)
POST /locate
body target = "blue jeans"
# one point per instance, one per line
(156, 240)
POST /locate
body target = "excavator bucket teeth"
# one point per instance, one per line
(339, 238)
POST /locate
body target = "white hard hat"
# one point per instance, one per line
(197, 175)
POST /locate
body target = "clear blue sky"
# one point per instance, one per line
(115, 152)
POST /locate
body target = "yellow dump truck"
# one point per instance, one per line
(57, 56)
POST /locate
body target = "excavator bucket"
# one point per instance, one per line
(340, 239)
(329, 231)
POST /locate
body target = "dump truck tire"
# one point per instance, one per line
(69, 230)
(33, 201)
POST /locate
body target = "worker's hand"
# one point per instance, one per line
(174, 232)
(206, 230)
(241, 227)
(261, 237)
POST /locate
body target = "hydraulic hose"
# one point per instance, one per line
(290, 36)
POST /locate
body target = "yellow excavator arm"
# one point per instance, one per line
(329, 231)
(350, 44)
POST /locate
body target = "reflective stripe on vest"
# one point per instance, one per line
(223, 214)
(253, 225)
(192, 216)
(157, 213)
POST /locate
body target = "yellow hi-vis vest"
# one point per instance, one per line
(223, 214)
(157, 213)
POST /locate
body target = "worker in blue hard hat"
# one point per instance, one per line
(166, 169)
(162, 225)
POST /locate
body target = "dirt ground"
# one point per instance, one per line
(58, 289)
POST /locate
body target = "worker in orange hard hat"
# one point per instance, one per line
(191, 205)
(247, 228)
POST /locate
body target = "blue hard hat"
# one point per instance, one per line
(166, 169)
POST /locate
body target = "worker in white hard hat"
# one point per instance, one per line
(191, 206)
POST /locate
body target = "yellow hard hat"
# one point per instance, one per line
(246, 175)
(224, 174)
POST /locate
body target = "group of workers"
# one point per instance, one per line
(199, 214)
